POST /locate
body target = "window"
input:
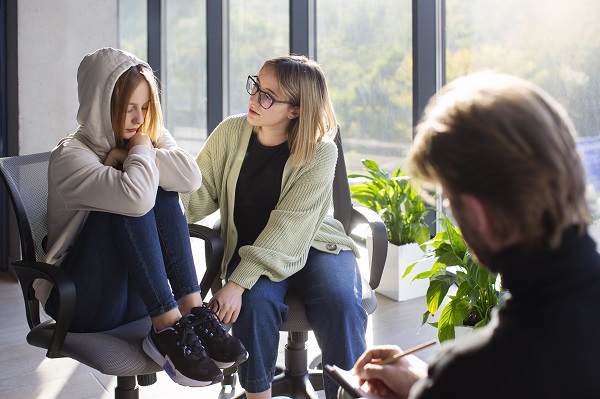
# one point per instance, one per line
(184, 95)
(554, 44)
(365, 49)
(258, 30)
(133, 27)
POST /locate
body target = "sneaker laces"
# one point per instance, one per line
(189, 341)
(208, 319)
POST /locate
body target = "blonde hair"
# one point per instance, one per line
(508, 143)
(122, 92)
(302, 82)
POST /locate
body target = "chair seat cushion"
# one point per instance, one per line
(114, 352)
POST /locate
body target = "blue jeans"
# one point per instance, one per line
(125, 268)
(330, 287)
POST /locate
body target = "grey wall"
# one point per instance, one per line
(53, 36)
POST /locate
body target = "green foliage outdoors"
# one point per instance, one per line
(393, 198)
(365, 49)
(478, 289)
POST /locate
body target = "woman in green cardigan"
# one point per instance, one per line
(270, 172)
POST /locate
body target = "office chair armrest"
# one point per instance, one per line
(380, 241)
(27, 272)
(213, 250)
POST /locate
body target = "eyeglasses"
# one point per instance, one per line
(264, 99)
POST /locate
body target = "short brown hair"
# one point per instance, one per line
(122, 92)
(508, 143)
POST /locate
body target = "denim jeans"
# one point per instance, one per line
(127, 267)
(330, 287)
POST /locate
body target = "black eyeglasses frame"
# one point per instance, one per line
(252, 80)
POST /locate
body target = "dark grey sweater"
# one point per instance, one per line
(543, 343)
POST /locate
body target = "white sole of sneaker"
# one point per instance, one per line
(224, 365)
(165, 362)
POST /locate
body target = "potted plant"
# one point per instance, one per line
(403, 213)
(478, 290)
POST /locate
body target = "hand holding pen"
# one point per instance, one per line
(389, 370)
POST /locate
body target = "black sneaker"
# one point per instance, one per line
(179, 351)
(224, 349)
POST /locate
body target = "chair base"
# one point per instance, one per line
(294, 386)
(127, 388)
(298, 386)
(295, 381)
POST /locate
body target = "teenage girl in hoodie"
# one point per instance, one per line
(116, 226)
(270, 174)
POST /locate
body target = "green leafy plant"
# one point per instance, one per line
(477, 289)
(392, 197)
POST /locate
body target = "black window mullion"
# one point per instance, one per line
(428, 32)
(428, 52)
(154, 36)
(216, 68)
(303, 28)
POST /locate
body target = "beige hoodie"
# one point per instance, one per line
(78, 181)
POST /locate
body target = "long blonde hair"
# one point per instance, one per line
(508, 143)
(303, 84)
(124, 88)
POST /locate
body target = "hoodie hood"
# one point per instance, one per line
(96, 78)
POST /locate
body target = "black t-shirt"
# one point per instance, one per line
(258, 189)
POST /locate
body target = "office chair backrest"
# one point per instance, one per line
(342, 202)
(26, 178)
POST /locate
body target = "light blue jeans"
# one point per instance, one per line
(331, 289)
(127, 267)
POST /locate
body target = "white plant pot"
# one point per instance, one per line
(398, 259)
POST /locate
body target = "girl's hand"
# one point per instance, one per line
(116, 157)
(230, 302)
(140, 139)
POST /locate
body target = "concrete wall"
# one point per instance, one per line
(53, 36)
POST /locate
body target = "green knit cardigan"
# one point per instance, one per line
(302, 217)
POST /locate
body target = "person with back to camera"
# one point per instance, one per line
(270, 174)
(116, 225)
(504, 155)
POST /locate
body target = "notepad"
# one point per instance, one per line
(346, 379)
(349, 381)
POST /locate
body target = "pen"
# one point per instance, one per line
(392, 359)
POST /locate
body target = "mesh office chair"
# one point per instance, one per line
(116, 352)
(299, 379)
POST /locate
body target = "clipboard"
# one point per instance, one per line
(346, 379)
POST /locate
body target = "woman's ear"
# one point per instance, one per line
(293, 112)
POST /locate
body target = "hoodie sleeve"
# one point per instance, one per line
(82, 182)
(177, 168)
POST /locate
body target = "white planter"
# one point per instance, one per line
(398, 259)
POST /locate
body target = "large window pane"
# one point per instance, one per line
(258, 31)
(184, 72)
(133, 31)
(553, 43)
(365, 49)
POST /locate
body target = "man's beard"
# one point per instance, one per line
(479, 248)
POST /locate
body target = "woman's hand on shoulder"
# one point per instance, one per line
(116, 157)
(230, 302)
